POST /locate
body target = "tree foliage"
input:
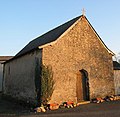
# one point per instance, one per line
(117, 57)
(47, 83)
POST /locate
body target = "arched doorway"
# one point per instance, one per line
(82, 86)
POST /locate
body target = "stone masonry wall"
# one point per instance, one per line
(79, 49)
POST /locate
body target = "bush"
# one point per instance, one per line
(47, 83)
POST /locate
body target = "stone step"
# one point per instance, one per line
(83, 102)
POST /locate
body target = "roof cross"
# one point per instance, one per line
(83, 12)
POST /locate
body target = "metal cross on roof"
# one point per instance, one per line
(83, 11)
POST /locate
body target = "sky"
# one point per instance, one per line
(23, 20)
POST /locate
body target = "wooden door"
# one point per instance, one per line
(82, 86)
(79, 87)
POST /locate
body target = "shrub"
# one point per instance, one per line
(47, 83)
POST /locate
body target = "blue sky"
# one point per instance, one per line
(23, 20)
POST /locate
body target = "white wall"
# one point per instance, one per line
(19, 76)
(1, 76)
(117, 81)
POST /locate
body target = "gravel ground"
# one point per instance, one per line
(105, 109)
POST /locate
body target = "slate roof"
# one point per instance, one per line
(51, 36)
(116, 65)
(47, 37)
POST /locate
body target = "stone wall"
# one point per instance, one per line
(19, 76)
(79, 48)
(117, 81)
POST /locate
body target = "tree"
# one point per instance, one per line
(47, 83)
(117, 57)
